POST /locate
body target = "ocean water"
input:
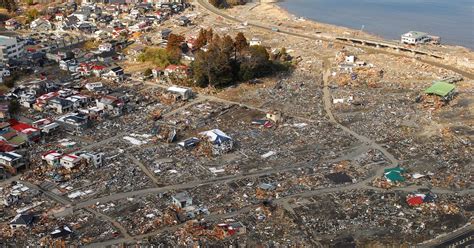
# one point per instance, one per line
(452, 20)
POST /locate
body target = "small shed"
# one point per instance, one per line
(183, 92)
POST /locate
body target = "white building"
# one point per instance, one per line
(12, 160)
(10, 48)
(255, 42)
(415, 37)
(183, 92)
(70, 161)
(105, 47)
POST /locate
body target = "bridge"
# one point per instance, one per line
(386, 44)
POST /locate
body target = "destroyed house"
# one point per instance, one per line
(182, 200)
(221, 143)
(165, 33)
(4, 127)
(267, 186)
(441, 89)
(234, 228)
(12, 138)
(394, 174)
(183, 20)
(111, 104)
(61, 232)
(188, 143)
(22, 220)
(180, 71)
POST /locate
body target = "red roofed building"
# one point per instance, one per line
(29, 132)
(52, 157)
(414, 201)
(70, 161)
(5, 147)
(43, 99)
(98, 70)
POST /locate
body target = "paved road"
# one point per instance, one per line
(67, 203)
(143, 168)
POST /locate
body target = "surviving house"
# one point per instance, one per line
(41, 24)
(105, 47)
(13, 162)
(78, 101)
(255, 42)
(46, 126)
(28, 132)
(4, 112)
(52, 157)
(92, 158)
(275, 116)
(115, 73)
(60, 105)
(73, 122)
(415, 37)
(183, 93)
(70, 161)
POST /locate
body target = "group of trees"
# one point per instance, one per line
(226, 60)
(226, 3)
(9, 5)
(218, 61)
(163, 57)
(32, 14)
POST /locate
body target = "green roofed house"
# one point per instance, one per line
(442, 89)
(394, 174)
(395, 169)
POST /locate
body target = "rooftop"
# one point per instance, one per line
(440, 88)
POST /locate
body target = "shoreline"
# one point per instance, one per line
(278, 16)
(294, 16)
(276, 5)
